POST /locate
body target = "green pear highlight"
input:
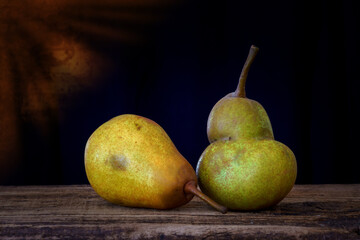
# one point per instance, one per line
(131, 161)
(244, 168)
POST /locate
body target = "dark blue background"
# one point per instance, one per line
(305, 76)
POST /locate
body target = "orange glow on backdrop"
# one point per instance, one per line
(46, 52)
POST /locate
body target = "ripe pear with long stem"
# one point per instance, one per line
(131, 161)
(236, 116)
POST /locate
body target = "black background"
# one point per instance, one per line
(305, 76)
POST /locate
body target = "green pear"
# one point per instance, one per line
(235, 116)
(247, 174)
(131, 161)
(244, 168)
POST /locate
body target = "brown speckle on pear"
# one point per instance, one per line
(118, 162)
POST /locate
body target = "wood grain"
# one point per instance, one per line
(77, 212)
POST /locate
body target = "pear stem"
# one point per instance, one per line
(240, 90)
(191, 187)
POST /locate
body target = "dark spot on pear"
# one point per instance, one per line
(118, 162)
(138, 127)
(225, 139)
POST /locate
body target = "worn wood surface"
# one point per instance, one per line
(76, 212)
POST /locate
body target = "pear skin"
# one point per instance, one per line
(236, 117)
(247, 174)
(131, 161)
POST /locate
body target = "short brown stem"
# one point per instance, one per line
(191, 187)
(240, 90)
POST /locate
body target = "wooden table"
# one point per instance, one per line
(77, 212)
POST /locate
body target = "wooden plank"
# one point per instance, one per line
(61, 212)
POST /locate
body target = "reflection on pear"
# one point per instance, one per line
(131, 161)
(244, 168)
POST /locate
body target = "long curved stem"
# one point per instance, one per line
(190, 187)
(240, 90)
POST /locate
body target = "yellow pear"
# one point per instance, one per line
(131, 161)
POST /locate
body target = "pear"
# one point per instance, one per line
(244, 168)
(131, 161)
(235, 116)
(247, 174)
